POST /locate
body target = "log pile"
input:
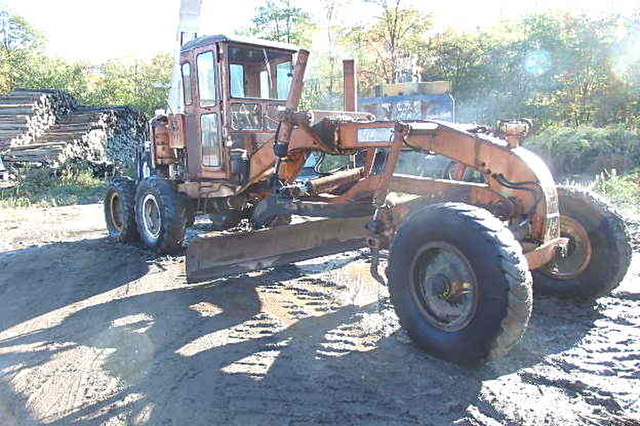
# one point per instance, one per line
(100, 135)
(27, 114)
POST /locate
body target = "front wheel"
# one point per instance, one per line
(598, 253)
(459, 283)
(161, 215)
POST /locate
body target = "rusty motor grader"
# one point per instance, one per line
(462, 256)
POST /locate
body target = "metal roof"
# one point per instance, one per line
(208, 40)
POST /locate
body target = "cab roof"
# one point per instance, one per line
(221, 38)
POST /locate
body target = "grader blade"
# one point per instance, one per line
(217, 255)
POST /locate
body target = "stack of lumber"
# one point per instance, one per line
(27, 114)
(100, 135)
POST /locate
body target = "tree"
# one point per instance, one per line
(142, 85)
(332, 74)
(17, 34)
(18, 41)
(392, 43)
(279, 20)
(553, 67)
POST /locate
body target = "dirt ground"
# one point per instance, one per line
(93, 332)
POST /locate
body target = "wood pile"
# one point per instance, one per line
(27, 114)
(100, 135)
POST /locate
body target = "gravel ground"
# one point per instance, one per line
(93, 332)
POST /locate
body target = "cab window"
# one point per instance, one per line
(259, 73)
(209, 125)
(207, 79)
(186, 83)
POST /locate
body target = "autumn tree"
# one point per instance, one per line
(391, 44)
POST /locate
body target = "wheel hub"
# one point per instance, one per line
(115, 207)
(151, 219)
(445, 286)
(578, 252)
(440, 285)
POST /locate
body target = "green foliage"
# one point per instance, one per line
(18, 39)
(279, 20)
(39, 187)
(38, 71)
(17, 34)
(624, 190)
(142, 85)
(556, 68)
(587, 150)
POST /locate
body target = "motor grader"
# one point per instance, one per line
(461, 255)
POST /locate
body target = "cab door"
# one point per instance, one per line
(206, 158)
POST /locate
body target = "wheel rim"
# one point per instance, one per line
(151, 219)
(115, 211)
(578, 253)
(444, 286)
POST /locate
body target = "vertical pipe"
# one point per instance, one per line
(350, 85)
(188, 24)
(297, 82)
(295, 93)
(283, 135)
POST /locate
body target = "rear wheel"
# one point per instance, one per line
(459, 283)
(119, 203)
(598, 253)
(161, 215)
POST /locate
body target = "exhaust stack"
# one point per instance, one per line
(188, 26)
(350, 85)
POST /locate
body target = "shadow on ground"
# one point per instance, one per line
(209, 354)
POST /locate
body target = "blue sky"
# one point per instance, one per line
(96, 30)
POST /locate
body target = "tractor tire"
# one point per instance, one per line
(459, 283)
(119, 214)
(599, 250)
(161, 215)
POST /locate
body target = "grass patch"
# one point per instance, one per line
(40, 188)
(622, 190)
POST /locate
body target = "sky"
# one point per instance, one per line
(97, 30)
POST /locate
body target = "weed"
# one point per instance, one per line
(622, 190)
(41, 187)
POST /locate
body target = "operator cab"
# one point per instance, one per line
(233, 89)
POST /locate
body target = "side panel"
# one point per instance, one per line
(176, 131)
